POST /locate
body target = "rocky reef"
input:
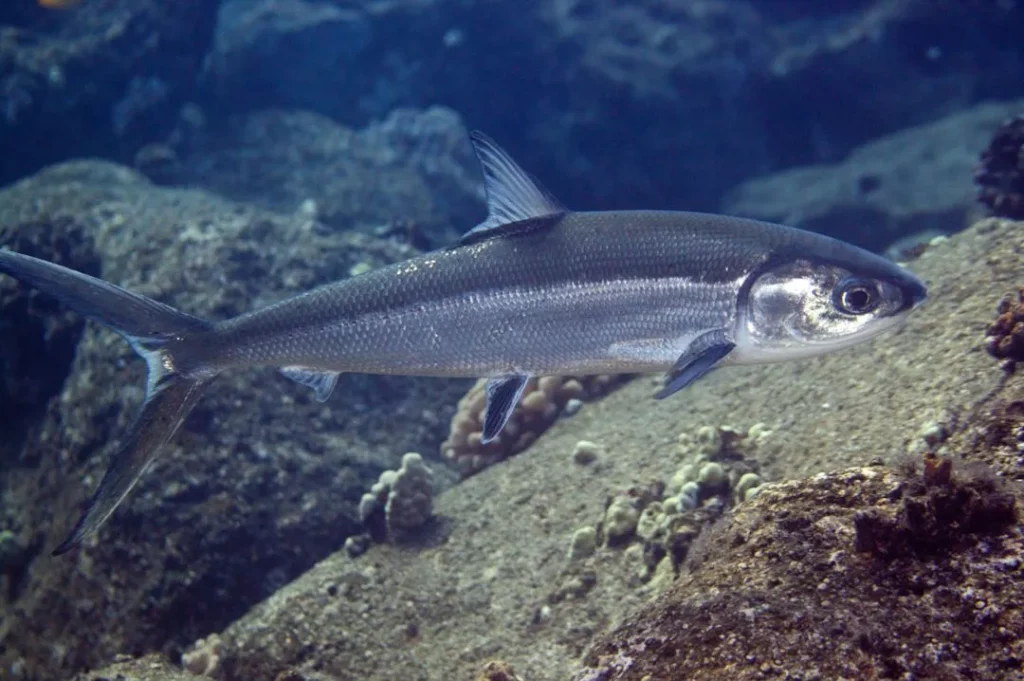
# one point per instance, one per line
(258, 148)
(411, 176)
(915, 182)
(100, 80)
(794, 579)
(260, 464)
(843, 575)
(713, 92)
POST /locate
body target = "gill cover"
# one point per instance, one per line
(805, 308)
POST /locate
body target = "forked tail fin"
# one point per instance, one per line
(161, 415)
(148, 326)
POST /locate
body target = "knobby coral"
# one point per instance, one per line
(543, 401)
(401, 501)
(658, 523)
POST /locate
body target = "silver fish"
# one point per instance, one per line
(533, 290)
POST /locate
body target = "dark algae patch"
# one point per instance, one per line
(865, 574)
(938, 513)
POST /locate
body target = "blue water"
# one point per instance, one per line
(332, 136)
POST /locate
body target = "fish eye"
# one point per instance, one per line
(856, 297)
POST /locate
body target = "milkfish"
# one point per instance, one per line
(534, 290)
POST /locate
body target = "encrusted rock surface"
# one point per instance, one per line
(491, 578)
(100, 79)
(37, 336)
(412, 175)
(915, 180)
(713, 92)
(261, 482)
(789, 589)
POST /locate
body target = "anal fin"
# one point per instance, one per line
(322, 382)
(503, 393)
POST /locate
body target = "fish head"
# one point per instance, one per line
(806, 306)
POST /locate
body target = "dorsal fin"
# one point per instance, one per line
(512, 195)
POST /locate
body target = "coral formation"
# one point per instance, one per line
(586, 452)
(400, 502)
(938, 512)
(1004, 338)
(785, 595)
(498, 670)
(205, 657)
(544, 399)
(583, 543)
(667, 518)
(1000, 175)
(620, 520)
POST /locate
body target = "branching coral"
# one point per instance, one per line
(543, 401)
(1000, 175)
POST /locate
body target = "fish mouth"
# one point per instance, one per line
(914, 292)
(918, 293)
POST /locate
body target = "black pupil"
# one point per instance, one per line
(857, 298)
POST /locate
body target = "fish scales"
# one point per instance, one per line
(555, 299)
(532, 290)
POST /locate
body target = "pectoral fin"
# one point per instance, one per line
(700, 357)
(503, 393)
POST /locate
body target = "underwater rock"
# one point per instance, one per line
(287, 46)
(413, 171)
(913, 181)
(785, 590)
(98, 80)
(1000, 174)
(500, 585)
(37, 336)
(691, 86)
(261, 482)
